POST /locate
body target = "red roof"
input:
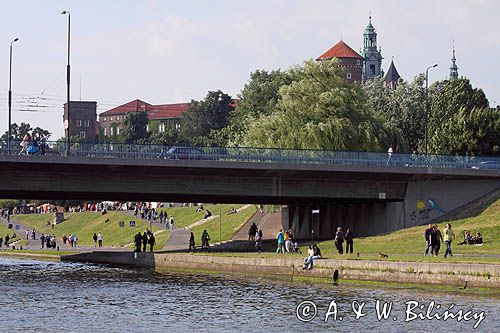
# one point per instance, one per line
(167, 110)
(133, 106)
(153, 111)
(340, 50)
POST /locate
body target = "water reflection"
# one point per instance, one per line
(41, 296)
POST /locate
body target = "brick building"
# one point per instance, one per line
(82, 121)
(349, 60)
(161, 116)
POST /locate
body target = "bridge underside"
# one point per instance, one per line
(366, 198)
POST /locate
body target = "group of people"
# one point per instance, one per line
(433, 238)
(97, 239)
(31, 145)
(313, 253)
(30, 234)
(71, 239)
(340, 237)
(287, 242)
(141, 241)
(255, 236)
(472, 240)
(8, 238)
(205, 241)
(48, 241)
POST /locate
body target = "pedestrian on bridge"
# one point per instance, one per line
(144, 241)
(94, 238)
(99, 239)
(348, 241)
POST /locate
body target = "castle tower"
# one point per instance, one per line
(392, 77)
(349, 60)
(373, 56)
(454, 67)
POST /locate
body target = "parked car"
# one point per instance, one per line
(184, 153)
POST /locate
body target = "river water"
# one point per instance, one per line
(37, 296)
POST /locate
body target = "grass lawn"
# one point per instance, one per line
(84, 225)
(184, 216)
(408, 243)
(230, 224)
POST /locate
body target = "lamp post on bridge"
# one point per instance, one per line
(67, 122)
(427, 105)
(10, 94)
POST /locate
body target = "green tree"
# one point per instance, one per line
(319, 110)
(19, 131)
(402, 107)
(460, 121)
(210, 114)
(135, 127)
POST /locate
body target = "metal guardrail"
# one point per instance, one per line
(259, 155)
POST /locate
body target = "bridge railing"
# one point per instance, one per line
(256, 155)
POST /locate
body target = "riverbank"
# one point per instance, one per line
(451, 274)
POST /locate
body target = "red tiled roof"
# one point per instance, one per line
(340, 50)
(133, 106)
(167, 110)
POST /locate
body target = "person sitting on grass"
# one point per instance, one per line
(468, 239)
(207, 214)
(478, 239)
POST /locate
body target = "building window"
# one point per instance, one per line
(79, 123)
(161, 127)
(82, 134)
(105, 131)
(86, 123)
(349, 76)
(111, 131)
(118, 131)
(177, 126)
(104, 119)
(372, 69)
(147, 128)
(359, 62)
(117, 118)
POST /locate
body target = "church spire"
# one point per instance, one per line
(371, 54)
(454, 67)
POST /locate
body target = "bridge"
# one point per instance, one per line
(370, 192)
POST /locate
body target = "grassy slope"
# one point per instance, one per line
(230, 224)
(85, 224)
(407, 243)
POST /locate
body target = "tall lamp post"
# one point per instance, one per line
(67, 122)
(10, 93)
(427, 103)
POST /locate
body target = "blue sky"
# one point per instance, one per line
(175, 51)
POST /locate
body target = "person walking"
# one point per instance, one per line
(427, 236)
(389, 154)
(144, 241)
(42, 240)
(449, 236)
(94, 237)
(339, 240)
(348, 241)
(281, 242)
(258, 240)
(191, 243)
(99, 239)
(171, 224)
(151, 242)
(137, 242)
(27, 234)
(436, 238)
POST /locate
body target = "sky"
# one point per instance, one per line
(166, 51)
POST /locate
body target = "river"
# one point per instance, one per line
(37, 296)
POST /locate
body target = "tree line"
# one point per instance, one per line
(311, 106)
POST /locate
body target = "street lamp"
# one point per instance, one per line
(67, 122)
(427, 103)
(10, 92)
